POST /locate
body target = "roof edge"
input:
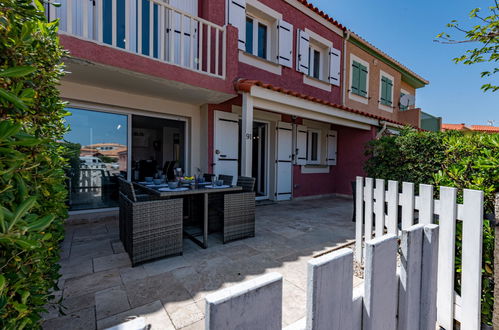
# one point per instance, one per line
(408, 75)
(245, 85)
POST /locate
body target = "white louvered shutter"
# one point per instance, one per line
(237, 18)
(303, 51)
(334, 66)
(285, 56)
(301, 145)
(332, 141)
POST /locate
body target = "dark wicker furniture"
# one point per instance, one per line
(238, 216)
(247, 183)
(150, 229)
(227, 179)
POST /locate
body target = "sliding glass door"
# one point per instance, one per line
(100, 144)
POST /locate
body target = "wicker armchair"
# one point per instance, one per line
(238, 216)
(247, 183)
(227, 179)
(150, 229)
(208, 176)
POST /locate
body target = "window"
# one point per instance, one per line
(262, 40)
(386, 91)
(359, 79)
(315, 63)
(249, 35)
(257, 37)
(403, 107)
(314, 147)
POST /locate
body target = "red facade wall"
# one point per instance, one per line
(350, 155)
(291, 78)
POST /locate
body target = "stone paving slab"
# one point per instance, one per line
(100, 289)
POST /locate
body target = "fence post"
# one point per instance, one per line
(446, 246)
(254, 304)
(496, 265)
(380, 284)
(368, 209)
(379, 207)
(425, 204)
(471, 277)
(428, 309)
(411, 247)
(407, 203)
(359, 217)
(329, 291)
(392, 197)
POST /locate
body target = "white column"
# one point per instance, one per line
(247, 135)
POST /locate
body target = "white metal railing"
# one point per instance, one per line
(151, 28)
(377, 212)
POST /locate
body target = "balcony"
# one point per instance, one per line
(150, 28)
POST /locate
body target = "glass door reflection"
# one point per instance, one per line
(100, 144)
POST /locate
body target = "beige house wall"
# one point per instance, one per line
(97, 98)
(371, 103)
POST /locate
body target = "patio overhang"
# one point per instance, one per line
(281, 100)
(110, 77)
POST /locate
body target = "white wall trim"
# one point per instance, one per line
(382, 106)
(315, 169)
(352, 96)
(260, 63)
(315, 16)
(318, 38)
(325, 86)
(290, 105)
(263, 9)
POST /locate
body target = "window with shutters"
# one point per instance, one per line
(385, 91)
(257, 37)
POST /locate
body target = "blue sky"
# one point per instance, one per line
(405, 30)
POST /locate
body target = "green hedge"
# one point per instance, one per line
(454, 159)
(32, 189)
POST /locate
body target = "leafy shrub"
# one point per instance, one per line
(32, 190)
(454, 159)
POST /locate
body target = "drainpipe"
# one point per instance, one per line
(346, 36)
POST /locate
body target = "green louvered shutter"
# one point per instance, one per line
(363, 80)
(389, 86)
(355, 77)
(383, 90)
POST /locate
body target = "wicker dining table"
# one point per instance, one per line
(163, 191)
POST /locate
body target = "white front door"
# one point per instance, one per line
(284, 165)
(226, 144)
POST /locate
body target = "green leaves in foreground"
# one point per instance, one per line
(32, 180)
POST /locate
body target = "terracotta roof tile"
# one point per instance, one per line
(244, 85)
(485, 128)
(454, 126)
(322, 14)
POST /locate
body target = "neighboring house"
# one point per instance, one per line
(241, 87)
(378, 84)
(470, 128)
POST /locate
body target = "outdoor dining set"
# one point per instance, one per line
(155, 216)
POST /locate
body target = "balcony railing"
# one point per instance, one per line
(150, 28)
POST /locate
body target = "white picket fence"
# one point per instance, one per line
(377, 215)
(389, 300)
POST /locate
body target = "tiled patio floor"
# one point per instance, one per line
(100, 289)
